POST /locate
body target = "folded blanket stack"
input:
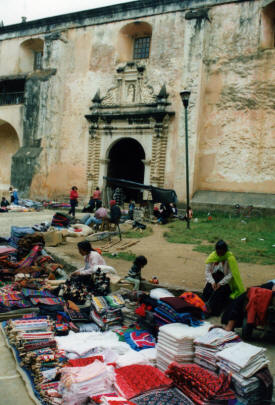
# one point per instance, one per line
(173, 309)
(106, 311)
(79, 383)
(200, 385)
(175, 343)
(244, 361)
(207, 346)
(128, 312)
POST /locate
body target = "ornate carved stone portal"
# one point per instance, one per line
(130, 109)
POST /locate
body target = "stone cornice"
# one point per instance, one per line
(103, 15)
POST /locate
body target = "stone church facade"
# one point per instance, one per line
(96, 93)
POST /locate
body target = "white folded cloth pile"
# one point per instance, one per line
(246, 389)
(78, 383)
(146, 356)
(175, 343)
(243, 359)
(207, 346)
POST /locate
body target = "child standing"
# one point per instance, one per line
(134, 274)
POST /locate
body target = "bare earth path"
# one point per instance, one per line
(172, 263)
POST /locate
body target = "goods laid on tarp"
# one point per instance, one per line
(77, 342)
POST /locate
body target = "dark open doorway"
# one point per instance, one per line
(126, 163)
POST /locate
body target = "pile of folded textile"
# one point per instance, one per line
(106, 311)
(31, 333)
(85, 379)
(200, 385)
(175, 343)
(128, 311)
(246, 362)
(243, 359)
(131, 381)
(207, 346)
(174, 309)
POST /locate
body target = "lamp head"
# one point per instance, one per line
(185, 97)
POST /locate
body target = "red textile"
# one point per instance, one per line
(259, 299)
(73, 195)
(194, 299)
(200, 384)
(137, 379)
(82, 362)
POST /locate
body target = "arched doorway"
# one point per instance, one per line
(9, 145)
(125, 162)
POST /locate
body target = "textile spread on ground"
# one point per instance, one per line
(80, 343)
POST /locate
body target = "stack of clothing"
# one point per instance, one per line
(245, 362)
(106, 311)
(131, 381)
(128, 312)
(173, 309)
(243, 359)
(11, 299)
(175, 343)
(200, 385)
(207, 346)
(80, 382)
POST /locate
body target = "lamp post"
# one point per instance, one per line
(185, 100)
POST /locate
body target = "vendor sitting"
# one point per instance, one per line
(223, 279)
(93, 260)
(99, 215)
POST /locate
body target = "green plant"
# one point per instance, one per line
(259, 235)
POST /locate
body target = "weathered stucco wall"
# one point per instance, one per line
(237, 134)
(86, 60)
(220, 59)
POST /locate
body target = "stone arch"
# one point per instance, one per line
(126, 158)
(9, 142)
(31, 53)
(127, 36)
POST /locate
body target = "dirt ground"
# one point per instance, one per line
(172, 263)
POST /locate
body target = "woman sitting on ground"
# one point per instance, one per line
(93, 260)
(223, 280)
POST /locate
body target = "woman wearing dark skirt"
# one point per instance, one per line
(223, 280)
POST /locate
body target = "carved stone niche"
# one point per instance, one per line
(132, 100)
(130, 108)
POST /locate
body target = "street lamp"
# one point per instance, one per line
(185, 100)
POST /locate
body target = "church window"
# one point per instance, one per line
(142, 48)
(37, 60)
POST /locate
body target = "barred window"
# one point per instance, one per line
(142, 48)
(38, 60)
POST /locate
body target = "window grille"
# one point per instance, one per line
(142, 48)
(38, 60)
